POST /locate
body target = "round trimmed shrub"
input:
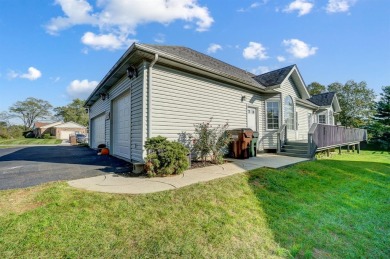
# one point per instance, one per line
(165, 157)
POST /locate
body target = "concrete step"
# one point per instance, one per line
(296, 143)
(298, 152)
(295, 147)
(283, 153)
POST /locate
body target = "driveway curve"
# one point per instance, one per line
(29, 166)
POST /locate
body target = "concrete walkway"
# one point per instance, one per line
(113, 183)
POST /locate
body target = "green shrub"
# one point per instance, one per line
(210, 141)
(4, 135)
(46, 136)
(165, 157)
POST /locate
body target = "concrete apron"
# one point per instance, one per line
(113, 183)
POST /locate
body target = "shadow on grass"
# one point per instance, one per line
(327, 208)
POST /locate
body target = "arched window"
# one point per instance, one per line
(289, 112)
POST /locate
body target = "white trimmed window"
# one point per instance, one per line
(272, 115)
(322, 119)
(289, 113)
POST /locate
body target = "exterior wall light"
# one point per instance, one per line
(131, 72)
(104, 96)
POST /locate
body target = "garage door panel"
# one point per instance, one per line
(65, 134)
(121, 126)
(98, 131)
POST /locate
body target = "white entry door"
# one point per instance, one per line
(121, 126)
(98, 132)
(251, 118)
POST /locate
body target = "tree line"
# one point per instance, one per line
(32, 110)
(360, 109)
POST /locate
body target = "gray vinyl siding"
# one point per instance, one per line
(181, 100)
(303, 121)
(136, 92)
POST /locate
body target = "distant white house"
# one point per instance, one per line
(164, 90)
(60, 130)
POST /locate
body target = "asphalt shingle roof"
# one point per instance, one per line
(275, 77)
(324, 99)
(205, 60)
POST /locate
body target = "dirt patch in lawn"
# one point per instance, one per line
(18, 201)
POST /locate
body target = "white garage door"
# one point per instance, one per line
(65, 134)
(98, 131)
(121, 126)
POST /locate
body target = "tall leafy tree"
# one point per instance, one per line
(357, 103)
(30, 110)
(383, 106)
(74, 111)
(316, 88)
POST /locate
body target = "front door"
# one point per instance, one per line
(251, 118)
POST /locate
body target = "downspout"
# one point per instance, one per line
(150, 95)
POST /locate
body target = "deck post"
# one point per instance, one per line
(348, 148)
(339, 150)
(327, 153)
(358, 147)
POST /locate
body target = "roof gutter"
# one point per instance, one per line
(150, 84)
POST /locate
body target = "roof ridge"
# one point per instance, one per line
(188, 48)
(272, 71)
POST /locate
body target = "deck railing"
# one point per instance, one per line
(281, 137)
(322, 136)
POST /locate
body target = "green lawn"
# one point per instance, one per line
(337, 207)
(29, 141)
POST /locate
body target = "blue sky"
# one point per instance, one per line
(58, 50)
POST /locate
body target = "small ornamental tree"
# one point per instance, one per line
(165, 157)
(210, 141)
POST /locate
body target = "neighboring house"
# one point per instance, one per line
(164, 90)
(61, 130)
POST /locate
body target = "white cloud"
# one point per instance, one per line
(302, 6)
(55, 79)
(12, 74)
(81, 89)
(214, 48)
(117, 19)
(339, 6)
(105, 41)
(281, 58)
(255, 51)
(260, 70)
(252, 6)
(76, 12)
(159, 38)
(32, 74)
(299, 49)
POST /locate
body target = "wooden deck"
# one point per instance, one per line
(324, 137)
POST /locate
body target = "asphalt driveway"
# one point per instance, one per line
(28, 166)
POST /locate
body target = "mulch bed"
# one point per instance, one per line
(199, 164)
